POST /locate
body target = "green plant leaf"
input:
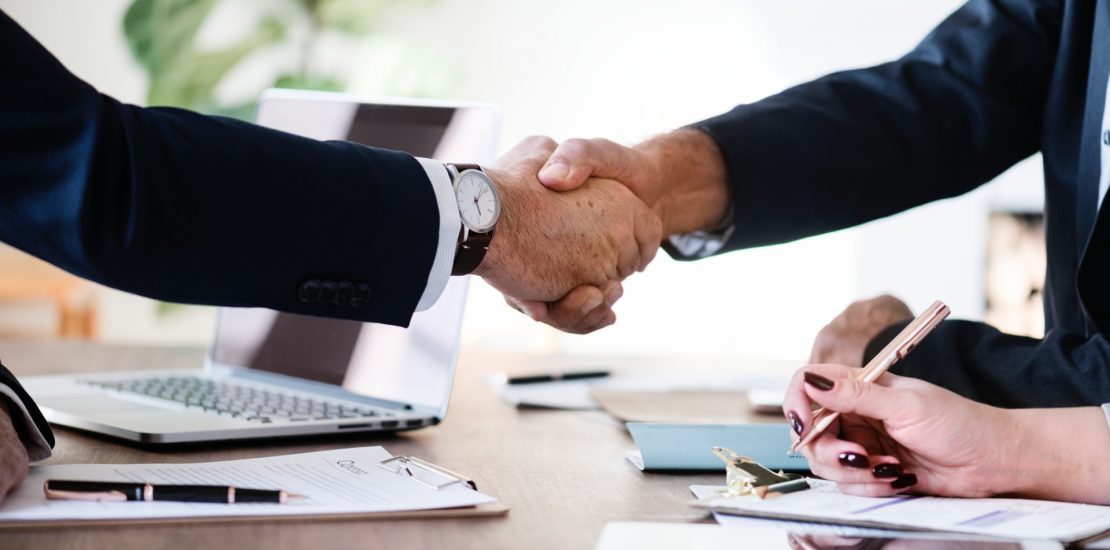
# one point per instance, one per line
(354, 16)
(160, 31)
(194, 77)
(308, 82)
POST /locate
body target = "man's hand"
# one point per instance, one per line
(844, 340)
(13, 455)
(577, 160)
(680, 176)
(549, 244)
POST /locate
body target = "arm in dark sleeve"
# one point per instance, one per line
(182, 207)
(979, 362)
(33, 429)
(854, 146)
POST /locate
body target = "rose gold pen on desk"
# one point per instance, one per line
(896, 350)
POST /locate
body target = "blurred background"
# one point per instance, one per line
(621, 69)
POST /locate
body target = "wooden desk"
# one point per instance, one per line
(562, 473)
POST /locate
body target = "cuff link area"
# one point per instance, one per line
(339, 293)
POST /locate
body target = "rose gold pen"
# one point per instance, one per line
(896, 350)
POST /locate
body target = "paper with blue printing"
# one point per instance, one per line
(662, 446)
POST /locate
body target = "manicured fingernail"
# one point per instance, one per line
(908, 480)
(818, 381)
(854, 460)
(590, 305)
(613, 296)
(554, 171)
(795, 422)
(887, 470)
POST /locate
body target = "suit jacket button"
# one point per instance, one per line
(343, 293)
(309, 291)
(327, 292)
(361, 296)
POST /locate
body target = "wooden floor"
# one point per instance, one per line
(562, 473)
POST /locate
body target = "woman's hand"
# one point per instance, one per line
(898, 434)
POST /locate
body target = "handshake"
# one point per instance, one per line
(580, 217)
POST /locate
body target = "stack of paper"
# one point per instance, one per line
(993, 517)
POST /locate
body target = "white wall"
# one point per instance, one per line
(626, 69)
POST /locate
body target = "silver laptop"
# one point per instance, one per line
(270, 374)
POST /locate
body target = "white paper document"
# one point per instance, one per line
(995, 517)
(833, 529)
(728, 520)
(575, 394)
(336, 482)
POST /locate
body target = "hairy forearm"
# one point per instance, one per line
(694, 191)
(1056, 454)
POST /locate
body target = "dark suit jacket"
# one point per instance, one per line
(189, 208)
(22, 425)
(994, 83)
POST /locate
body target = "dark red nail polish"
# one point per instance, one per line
(887, 470)
(854, 460)
(908, 480)
(818, 381)
(795, 422)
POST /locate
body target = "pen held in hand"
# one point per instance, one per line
(121, 491)
(902, 344)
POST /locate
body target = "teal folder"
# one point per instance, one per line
(687, 446)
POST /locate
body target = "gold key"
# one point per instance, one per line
(744, 476)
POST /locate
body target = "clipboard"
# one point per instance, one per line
(482, 510)
(422, 479)
(1006, 518)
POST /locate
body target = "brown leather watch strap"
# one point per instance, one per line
(470, 252)
(464, 167)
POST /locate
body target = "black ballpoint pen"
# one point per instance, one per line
(119, 491)
(555, 377)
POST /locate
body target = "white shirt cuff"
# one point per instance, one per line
(37, 447)
(1106, 411)
(702, 244)
(449, 225)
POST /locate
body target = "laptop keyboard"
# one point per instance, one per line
(247, 402)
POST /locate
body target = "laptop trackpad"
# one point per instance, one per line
(137, 416)
(82, 404)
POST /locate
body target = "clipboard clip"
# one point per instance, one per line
(744, 476)
(425, 473)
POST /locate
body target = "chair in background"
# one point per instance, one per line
(26, 280)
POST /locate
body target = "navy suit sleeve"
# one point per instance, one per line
(25, 423)
(854, 146)
(979, 362)
(188, 208)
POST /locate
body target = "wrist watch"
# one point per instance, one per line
(479, 209)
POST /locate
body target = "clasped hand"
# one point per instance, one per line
(560, 255)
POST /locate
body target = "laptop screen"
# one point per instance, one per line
(413, 365)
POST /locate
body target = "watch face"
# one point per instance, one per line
(479, 204)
